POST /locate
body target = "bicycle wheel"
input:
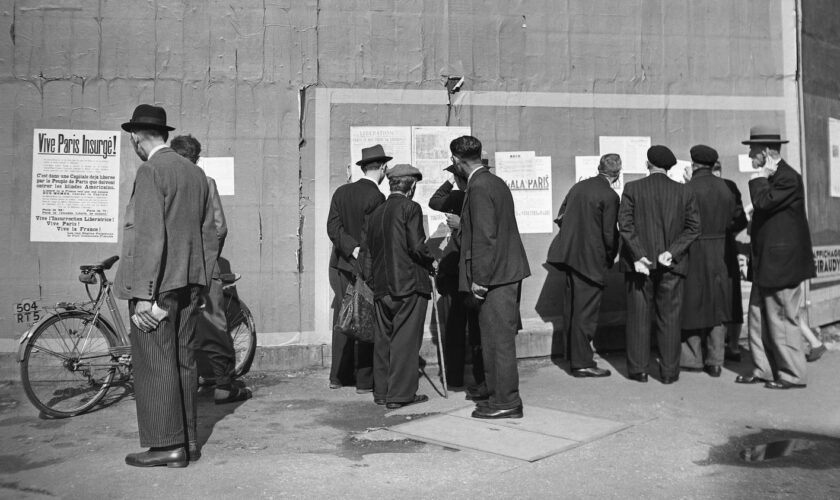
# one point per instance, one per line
(243, 333)
(66, 366)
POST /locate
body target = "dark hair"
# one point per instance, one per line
(371, 165)
(403, 183)
(187, 146)
(610, 164)
(466, 147)
(151, 132)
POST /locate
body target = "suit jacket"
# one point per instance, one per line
(707, 298)
(167, 239)
(782, 256)
(399, 261)
(350, 205)
(491, 249)
(588, 240)
(657, 214)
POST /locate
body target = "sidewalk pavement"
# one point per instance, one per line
(298, 439)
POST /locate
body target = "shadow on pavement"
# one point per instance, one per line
(776, 448)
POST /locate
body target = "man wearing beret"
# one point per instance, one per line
(491, 269)
(657, 220)
(397, 265)
(707, 299)
(782, 259)
(352, 361)
(169, 247)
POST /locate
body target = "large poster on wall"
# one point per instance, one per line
(75, 186)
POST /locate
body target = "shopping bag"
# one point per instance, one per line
(357, 316)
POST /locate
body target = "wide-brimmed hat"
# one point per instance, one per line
(373, 153)
(147, 116)
(761, 134)
(404, 170)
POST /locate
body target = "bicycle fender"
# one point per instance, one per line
(28, 333)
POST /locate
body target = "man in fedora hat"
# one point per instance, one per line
(397, 267)
(707, 300)
(352, 361)
(168, 246)
(782, 260)
(657, 220)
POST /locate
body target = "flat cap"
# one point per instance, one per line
(703, 155)
(404, 170)
(661, 156)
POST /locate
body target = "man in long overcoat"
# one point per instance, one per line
(707, 299)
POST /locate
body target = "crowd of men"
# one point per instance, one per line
(674, 242)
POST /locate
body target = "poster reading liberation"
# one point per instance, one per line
(75, 185)
(396, 141)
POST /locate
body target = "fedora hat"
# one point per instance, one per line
(147, 116)
(761, 134)
(373, 153)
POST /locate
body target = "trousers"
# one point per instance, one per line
(774, 335)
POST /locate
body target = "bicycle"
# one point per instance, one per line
(70, 358)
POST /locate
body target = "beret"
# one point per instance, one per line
(404, 170)
(661, 156)
(703, 155)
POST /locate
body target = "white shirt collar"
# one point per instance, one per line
(155, 150)
(368, 178)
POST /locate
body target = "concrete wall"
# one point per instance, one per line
(278, 84)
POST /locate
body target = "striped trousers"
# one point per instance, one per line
(165, 376)
(660, 296)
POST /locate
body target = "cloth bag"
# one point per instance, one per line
(357, 316)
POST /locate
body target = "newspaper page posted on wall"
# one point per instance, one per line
(633, 152)
(431, 154)
(396, 141)
(75, 186)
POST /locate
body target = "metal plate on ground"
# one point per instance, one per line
(542, 432)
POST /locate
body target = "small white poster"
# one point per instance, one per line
(221, 170)
(834, 156)
(681, 172)
(745, 164)
(633, 151)
(529, 178)
(431, 155)
(75, 186)
(396, 141)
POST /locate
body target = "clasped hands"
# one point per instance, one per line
(642, 265)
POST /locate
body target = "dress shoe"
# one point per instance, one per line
(364, 391)
(669, 379)
(783, 384)
(489, 413)
(334, 385)
(639, 377)
(591, 372)
(379, 401)
(194, 452)
(154, 457)
(691, 369)
(712, 370)
(231, 394)
(816, 353)
(418, 398)
(749, 379)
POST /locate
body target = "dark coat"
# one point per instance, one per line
(491, 249)
(168, 241)
(657, 214)
(350, 205)
(707, 299)
(448, 201)
(400, 261)
(782, 256)
(588, 241)
(732, 266)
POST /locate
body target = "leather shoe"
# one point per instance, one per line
(590, 372)
(334, 385)
(418, 398)
(379, 401)
(489, 413)
(669, 379)
(816, 353)
(749, 379)
(639, 377)
(156, 457)
(783, 384)
(712, 370)
(231, 395)
(194, 452)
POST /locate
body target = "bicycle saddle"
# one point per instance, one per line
(102, 266)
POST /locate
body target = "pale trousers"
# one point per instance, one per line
(775, 340)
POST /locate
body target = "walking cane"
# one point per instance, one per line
(440, 340)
